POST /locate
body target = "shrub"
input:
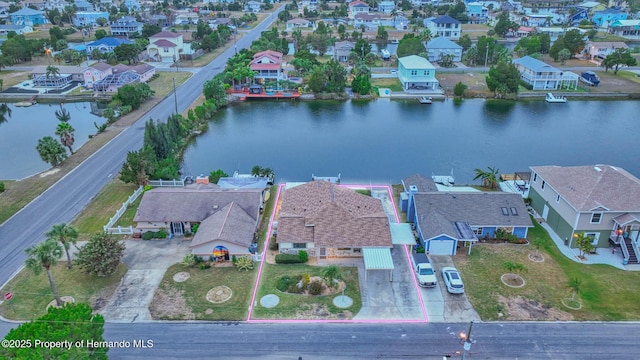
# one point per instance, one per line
(315, 287)
(459, 88)
(1, 186)
(162, 234)
(283, 283)
(211, 258)
(303, 256)
(233, 259)
(148, 235)
(194, 228)
(244, 263)
(204, 265)
(287, 259)
(420, 249)
(273, 245)
(306, 279)
(295, 289)
(190, 260)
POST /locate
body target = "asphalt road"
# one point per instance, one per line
(64, 200)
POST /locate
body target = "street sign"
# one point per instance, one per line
(8, 296)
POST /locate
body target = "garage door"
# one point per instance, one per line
(441, 247)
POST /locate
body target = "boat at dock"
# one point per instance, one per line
(425, 100)
(555, 99)
(27, 103)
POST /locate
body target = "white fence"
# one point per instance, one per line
(120, 229)
(167, 183)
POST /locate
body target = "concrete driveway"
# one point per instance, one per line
(442, 306)
(147, 262)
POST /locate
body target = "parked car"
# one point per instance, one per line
(452, 280)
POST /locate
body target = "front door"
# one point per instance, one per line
(545, 212)
(177, 228)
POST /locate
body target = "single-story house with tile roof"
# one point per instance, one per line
(445, 221)
(417, 73)
(227, 218)
(165, 46)
(106, 44)
(28, 16)
(542, 76)
(328, 220)
(601, 201)
(440, 46)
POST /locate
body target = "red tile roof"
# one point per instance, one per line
(164, 43)
(165, 34)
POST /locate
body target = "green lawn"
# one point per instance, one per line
(607, 294)
(266, 217)
(297, 306)
(191, 294)
(392, 83)
(31, 293)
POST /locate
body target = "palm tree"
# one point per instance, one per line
(65, 132)
(63, 114)
(44, 256)
(52, 71)
(51, 151)
(65, 235)
(425, 35)
(256, 170)
(331, 273)
(489, 178)
(5, 112)
(574, 284)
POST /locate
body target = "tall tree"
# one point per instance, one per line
(101, 255)
(44, 256)
(618, 58)
(503, 79)
(66, 133)
(410, 45)
(52, 71)
(583, 243)
(65, 235)
(51, 151)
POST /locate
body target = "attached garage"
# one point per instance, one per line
(442, 246)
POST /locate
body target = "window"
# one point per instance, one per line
(593, 236)
(558, 198)
(414, 72)
(425, 73)
(478, 231)
(299, 245)
(596, 218)
(542, 187)
(535, 177)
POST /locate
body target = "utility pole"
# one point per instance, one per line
(467, 340)
(486, 56)
(175, 95)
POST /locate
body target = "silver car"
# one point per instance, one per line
(452, 280)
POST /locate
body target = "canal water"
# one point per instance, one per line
(386, 140)
(20, 133)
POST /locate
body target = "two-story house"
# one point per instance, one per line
(357, 7)
(342, 50)
(542, 76)
(126, 26)
(438, 47)
(84, 5)
(369, 21)
(628, 29)
(599, 201)
(84, 18)
(417, 73)
(477, 13)
(386, 7)
(96, 72)
(598, 50)
(165, 46)
(444, 26)
(607, 17)
(267, 65)
(28, 16)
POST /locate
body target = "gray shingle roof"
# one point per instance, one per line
(535, 64)
(231, 224)
(437, 211)
(586, 187)
(423, 183)
(442, 42)
(445, 19)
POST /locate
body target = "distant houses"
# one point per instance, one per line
(106, 44)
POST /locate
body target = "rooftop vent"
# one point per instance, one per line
(597, 169)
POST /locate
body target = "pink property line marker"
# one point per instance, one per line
(266, 244)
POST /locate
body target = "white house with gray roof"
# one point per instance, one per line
(542, 76)
(600, 201)
(444, 26)
(440, 46)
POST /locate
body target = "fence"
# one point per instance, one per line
(167, 183)
(120, 229)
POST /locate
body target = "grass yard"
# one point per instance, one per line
(392, 83)
(187, 300)
(31, 293)
(607, 294)
(397, 189)
(297, 306)
(102, 208)
(266, 217)
(163, 84)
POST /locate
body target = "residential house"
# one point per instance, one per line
(601, 49)
(554, 32)
(535, 20)
(18, 29)
(342, 50)
(386, 7)
(628, 29)
(126, 26)
(599, 201)
(542, 76)
(84, 5)
(444, 26)
(578, 16)
(298, 23)
(4, 7)
(66, 75)
(400, 23)
(357, 7)
(183, 17)
(40, 5)
(96, 72)
(112, 82)
(106, 44)
(145, 71)
(214, 23)
(591, 7)
(267, 65)
(440, 46)
(132, 5)
(477, 13)
(417, 73)
(159, 20)
(311, 5)
(369, 21)
(83, 18)
(446, 221)
(165, 46)
(605, 18)
(253, 6)
(327, 220)
(28, 16)
(227, 219)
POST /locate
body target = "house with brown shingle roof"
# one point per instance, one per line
(328, 220)
(227, 219)
(600, 201)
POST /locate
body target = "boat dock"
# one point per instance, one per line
(331, 179)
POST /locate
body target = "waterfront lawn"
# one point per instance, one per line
(187, 300)
(31, 293)
(607, 293)
(102, 208)
(11, 78)
(392, 83)
(297, 306)
(266, 217)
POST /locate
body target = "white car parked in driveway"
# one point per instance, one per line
(452, 280)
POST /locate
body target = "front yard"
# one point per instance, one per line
(606, 293)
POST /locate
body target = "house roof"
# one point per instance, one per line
(13, 27)
(610, 11)
(358, 4)
(535, 64)
(142, 69)
(273, 54)
(101, 66)
(164, 43)
(607, 44)
(332, 216)
(589, 4)
(362, 16)
(442, 42)
(63, 69)
(626, 23)
(589, 187)
(244, 182)
(437, 213)
(345, 45)
(445, 19)
(231, 224)
(27, 12)
(416, 62)
(194, 203)
(165, 34)
(298, 21)
(110, 41)
(423, 183)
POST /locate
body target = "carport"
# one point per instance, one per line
(402, 234)
(377, 258)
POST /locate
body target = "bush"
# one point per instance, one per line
(295, 289)
(273, 245)
(459, 89)
(306, 279)
(194, 228)
(303, 256)
(234, 259)
(1, 186)
(162, 234)
(204, 265)
(315, 287)
(148, 235)
(190, 260)
(244, 263)
(287, 259)
(526, 85)
(283, 283)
